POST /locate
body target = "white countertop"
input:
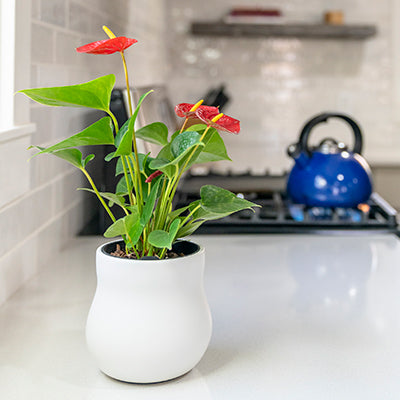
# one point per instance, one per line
(295, 317)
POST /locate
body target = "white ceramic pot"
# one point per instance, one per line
(149, 320)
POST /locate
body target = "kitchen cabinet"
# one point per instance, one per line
(297, 30)
(294, 317)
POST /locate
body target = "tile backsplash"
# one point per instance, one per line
(277, 84)
(37, 223)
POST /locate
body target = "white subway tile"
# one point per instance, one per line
(21, 218)
(49, 243)
(80, 18)
(17, 267)
(42, 169)
(35, 9)
(42, 116)
(53, 12)
(42, 44)
(66, 53)
(64, 190)
(51, 75)
(14, 169)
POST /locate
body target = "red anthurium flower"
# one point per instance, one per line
(184, 110)
(224, 123)
(153, 175)
(107, 46)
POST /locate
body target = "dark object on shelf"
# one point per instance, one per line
(279, 215)
(217, 97)
(312, 31)
(255, 11)
(253, 15)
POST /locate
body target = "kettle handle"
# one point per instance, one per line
(305, 133)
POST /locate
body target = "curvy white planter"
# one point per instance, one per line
(149, 320)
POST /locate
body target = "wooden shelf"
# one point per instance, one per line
(311, 31)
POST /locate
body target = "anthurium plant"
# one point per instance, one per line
(147, 186)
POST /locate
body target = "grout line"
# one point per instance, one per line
(31, 192)
(56, 28)
(41, 228)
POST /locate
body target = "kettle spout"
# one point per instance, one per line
(300, 157)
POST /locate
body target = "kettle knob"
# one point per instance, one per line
(293, 150)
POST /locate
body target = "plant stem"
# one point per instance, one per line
(138, 188)
(164, 209)
(127, 83)
(190, 214)
(115, 122)
(98, 194)
(128, 184)
(157, 211)
(138, 181)
(164, 250)
(177, 179)
(184, 124)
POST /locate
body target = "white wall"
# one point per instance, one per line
(277, 84)
(35, 223)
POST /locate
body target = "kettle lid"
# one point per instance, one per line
(330, 146)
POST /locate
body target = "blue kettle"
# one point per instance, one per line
(328, 175)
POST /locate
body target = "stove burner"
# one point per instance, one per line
(279, 215)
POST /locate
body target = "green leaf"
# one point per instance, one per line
(162, 239)
(156, 133)
(119, 168)
(94, 94)
(203, 214)
(109, 156)
(124, 139)
(125, 145)
(150, 202)
(133, 227)
(89, 158)
(100, 132)
(116, 229)
(135, 232)
(144, 160)
(173, 229)
(159, 239)
(173, 214)
(142, 97)
(214, 150)
(183, 142)
(121, 187)
(121, 133)
(73, 156)
(189, 228)
(111, 197)
(215, 203)
(220, 201)
(180, 149)
(128, 225)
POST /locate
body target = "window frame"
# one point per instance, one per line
(15, 68)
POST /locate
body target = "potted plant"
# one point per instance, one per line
(149, 320)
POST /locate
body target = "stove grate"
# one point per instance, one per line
(278, 215)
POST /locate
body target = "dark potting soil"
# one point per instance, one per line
(180, 248)
(122, 254)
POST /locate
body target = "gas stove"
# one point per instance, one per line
(278, 214)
